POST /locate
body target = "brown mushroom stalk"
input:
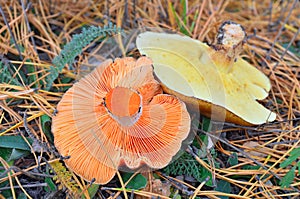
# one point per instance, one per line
(229, 44)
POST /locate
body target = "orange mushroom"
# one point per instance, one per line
(117, 117)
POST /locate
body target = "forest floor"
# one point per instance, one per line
(245, 162)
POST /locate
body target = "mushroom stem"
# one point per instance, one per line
(229, 44)
(124, 105)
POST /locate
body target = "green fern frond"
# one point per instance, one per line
(64, 178)
(6, 76)
(188, 166)
(74, 48)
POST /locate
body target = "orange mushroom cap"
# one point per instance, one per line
(118, 117)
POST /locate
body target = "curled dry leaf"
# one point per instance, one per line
(255, 149)
(157, 187)
(117, 117)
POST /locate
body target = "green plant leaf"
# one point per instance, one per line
(202, 152)
(32, 77)
(288, 178)
(224, 187)
(13, 148)
(66, 80)
(137, 182)
(5, 153)
(233, 159)
(194, 22)
(17, 154)
(184, 17)
(179, 23)
(176, 195)
(250, 167)
(292, 49)
(51, 185)
(206, 173)
(187, 165)
(6, 74)
(22, 196)
(295, 153)
(5, 193)
(298, 165)
(206, 124)
(14, 142)
(93, 190)
(46, 127)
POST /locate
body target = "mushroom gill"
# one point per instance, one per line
(117, 117)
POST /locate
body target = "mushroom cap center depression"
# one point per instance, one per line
(124, 105)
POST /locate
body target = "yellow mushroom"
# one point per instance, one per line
(214, 79)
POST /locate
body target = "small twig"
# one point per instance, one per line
(107, 10)
(125, 15)
(260, 133)
(36, 176)
(41, 144)
(283, 142)
(27, 23)
(183, 188)
(283, 10)
(132, 194)
(257, 178)
(258, 127)
(270, 15)
(199, 187)
(286, 50)
(25, 186)
(211, 162)
(11, 33)
(281, 29)
(134, 12)
(88, 186)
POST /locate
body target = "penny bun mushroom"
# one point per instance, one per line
(117, 117)
(214, 80)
